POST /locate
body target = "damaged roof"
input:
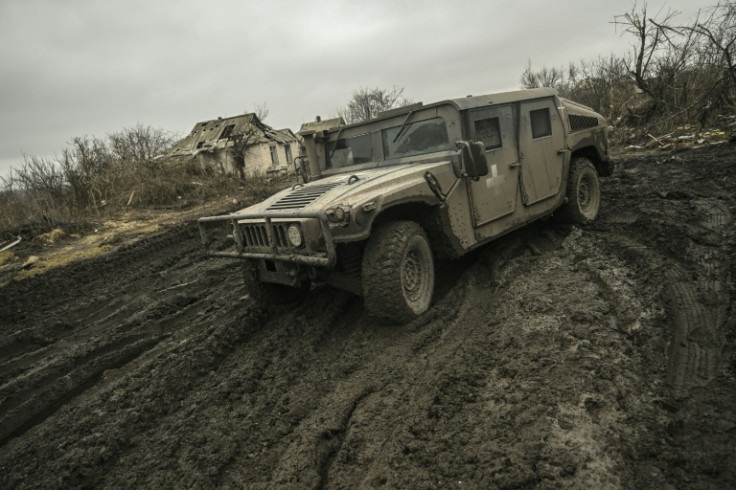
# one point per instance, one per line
(225, 132)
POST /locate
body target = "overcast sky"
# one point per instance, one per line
(83, 67)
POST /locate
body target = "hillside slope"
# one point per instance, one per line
(594, 357)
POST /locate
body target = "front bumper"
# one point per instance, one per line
(263, 236)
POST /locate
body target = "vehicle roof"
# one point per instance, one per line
(473, 101)
(464, 103)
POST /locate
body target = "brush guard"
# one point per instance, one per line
(317, 251)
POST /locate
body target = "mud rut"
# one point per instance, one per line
(600, 357)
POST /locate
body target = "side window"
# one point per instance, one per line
(541, 126)
(416, 138)
(274, 156)
(353, 150)
(489, 132)
(287, 149)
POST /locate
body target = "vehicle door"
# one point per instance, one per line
(541, 142)
(494, 195)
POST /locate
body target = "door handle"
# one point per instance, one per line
(514, 164)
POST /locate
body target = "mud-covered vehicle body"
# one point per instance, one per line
(382, 199)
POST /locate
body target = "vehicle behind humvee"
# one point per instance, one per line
(382, 199)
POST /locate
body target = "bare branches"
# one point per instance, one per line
(90, 175)
(367, 103)
(139, 144)
(674, 73)
(652, 38)
(544, 77)
(599, 83)
(261, 111)
(719, 32)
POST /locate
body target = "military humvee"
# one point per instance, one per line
(382, 199)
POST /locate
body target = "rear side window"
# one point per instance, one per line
(541, 126)
(489, 132)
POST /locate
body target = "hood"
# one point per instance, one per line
(347, 189)
(580, 116)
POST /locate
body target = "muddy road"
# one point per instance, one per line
(557, 357)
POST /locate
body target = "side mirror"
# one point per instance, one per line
(474, 158)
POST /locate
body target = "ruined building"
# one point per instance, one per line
(239, 145)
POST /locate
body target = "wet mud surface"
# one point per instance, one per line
(556, 357)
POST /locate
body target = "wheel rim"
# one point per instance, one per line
(584, 194)
(411, 273)
(415, 275)
(588, 196)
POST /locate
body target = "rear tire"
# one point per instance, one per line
(583, 193)
(398, 272)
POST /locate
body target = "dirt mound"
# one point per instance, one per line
(595, 357)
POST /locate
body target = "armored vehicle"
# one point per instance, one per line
(379, 201)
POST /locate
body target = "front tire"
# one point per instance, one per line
(583, 193)
(398, 272)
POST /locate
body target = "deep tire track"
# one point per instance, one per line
(541, 364)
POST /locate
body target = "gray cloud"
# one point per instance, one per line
(82, 67)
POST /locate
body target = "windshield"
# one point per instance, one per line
(412, 139)
(350, 151)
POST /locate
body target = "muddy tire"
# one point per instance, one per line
(583, 193)
(267, 293)
(398, 272)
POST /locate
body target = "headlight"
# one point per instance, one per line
(340, 214)
(295, 235)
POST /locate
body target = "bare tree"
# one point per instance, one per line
(650, 39)
(719, 38)
(544, 77)
(662, 67)
(601, 83)
(140, 143)
(34, 195)
(261, 111)
(674, 74)
(242, 140)
(366, 103)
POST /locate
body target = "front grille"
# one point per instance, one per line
(255, 235)
(304, 196)
(578, 123)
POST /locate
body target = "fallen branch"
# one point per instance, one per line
(658, 140)
(8, 247)
(130, 199)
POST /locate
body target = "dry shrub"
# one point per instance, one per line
(96, 179)
(674, 75)
(35, 198)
